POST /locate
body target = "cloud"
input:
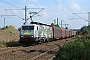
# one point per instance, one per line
(76, 7)
(1, 11)
(15, 11)
(35, 6)
(31, 5)
(32, 0)
(60, 7)
(75, 0)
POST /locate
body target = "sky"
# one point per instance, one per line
(71, 12)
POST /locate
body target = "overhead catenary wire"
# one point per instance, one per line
(39, 11)
(61, 8)
(81, 13)
(67, 6)
(15, 9)
(75, 13)
(9, 3)
(80, 17)
(70, 11)
(35, 13)
(25, 12)
(13, 14)
(24, 8)
(7, 15)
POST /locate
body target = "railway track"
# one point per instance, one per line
(45, 51)
(9, 49)
(48, 55)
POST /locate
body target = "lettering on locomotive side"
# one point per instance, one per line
(44, 31)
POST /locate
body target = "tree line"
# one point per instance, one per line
(84, 31)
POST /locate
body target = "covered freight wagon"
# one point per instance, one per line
(70, 33)
(63, 34)
(67, 33)
(56, 32)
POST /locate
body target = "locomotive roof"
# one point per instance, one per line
(38, 23)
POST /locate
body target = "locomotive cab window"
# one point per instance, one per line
(27, 27)
(37, 27)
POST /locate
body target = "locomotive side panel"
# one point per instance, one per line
(46, 31)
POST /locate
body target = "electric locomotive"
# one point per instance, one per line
(35, 33)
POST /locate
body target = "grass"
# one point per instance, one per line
(11, 33)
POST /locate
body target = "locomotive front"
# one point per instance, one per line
(34, 33)
(27, 34)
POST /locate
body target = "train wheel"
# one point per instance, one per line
(41, 41)
(47, 40)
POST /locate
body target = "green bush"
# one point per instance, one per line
(79, 49)
(4, 28)
(12, 26)
(19, 29)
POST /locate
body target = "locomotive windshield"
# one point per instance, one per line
(27, 27)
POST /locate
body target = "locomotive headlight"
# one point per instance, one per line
(22, 36)
(31, 36)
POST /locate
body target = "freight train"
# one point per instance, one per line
(39, 33)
